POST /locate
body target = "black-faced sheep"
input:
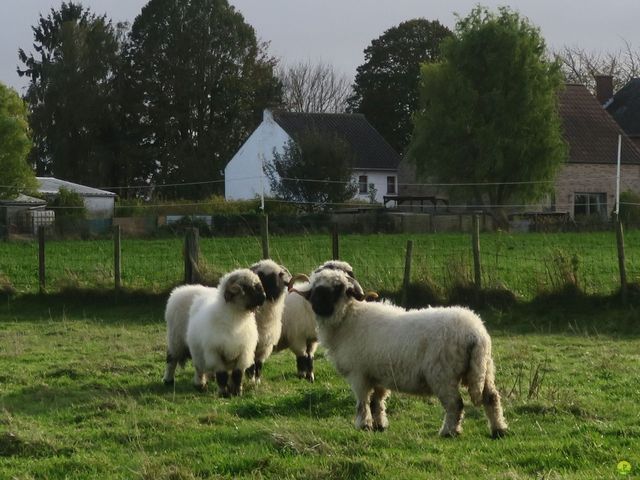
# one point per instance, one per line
(177, 316)
(222, 333)
(299, 329)
(379, 347)
(275, 281)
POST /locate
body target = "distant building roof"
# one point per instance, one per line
(24, 200)
(371, 150)
(51, 186)
(625, 107)
(592, 134)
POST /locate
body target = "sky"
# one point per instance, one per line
(336, 32)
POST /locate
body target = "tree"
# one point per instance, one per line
(489, 114)
(16, 176)
(200, 81)
(71, 95)
(315, 169)
(582, 66)
(386, 85)
(314, 88)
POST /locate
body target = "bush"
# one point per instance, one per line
(71, 213)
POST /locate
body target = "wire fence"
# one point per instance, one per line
(525, 263)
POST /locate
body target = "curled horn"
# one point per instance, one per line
(355, 290)
(296, 278)
(371, 296)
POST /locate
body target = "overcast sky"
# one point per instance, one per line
(337, 31)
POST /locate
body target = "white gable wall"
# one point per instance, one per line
(243, 175)
(379, 180)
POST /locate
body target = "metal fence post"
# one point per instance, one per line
(406, 281)
(117, 256)
(475, 240)
(191, 256)
(41, 259)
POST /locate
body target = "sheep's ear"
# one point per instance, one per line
(231, 291)
(254, 268)
(355, 290)
(297, 278)
(285, 275)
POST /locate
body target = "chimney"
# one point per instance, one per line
(604, 88)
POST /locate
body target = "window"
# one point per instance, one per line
(590, 204)
(363, 185)
(391, 185)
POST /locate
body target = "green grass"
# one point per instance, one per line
(524, 263)
(81, 397)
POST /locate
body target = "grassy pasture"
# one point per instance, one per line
(81, 397)
(524, 263)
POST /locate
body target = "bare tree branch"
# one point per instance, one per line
(309, 87)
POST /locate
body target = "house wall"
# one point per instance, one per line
(379, 180)
(593, 178)
(243, 175)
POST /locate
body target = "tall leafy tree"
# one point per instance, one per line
(314, 169)
(200, 80)
(71, 95)
(386, 85)
(489, 114)
(16, 176)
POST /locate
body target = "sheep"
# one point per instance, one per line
(299, 330)
(379, 347)
(275, 281)
(176, 316)
(222, 334)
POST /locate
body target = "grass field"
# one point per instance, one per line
(524, 263)
(81, 397)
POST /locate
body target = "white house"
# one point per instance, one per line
(376, 161)
(99, 203)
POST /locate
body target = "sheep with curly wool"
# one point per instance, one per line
(222, 333)
(299, 329)
(275, 281)
(177, 316)
(379, 347)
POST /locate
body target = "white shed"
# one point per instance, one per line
(376, 161)
(99, 203)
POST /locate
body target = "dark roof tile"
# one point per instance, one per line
(371, 149)
(592, 134)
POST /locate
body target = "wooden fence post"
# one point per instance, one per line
(117, 255)
(264, 233)
(191, 256)
(335, 243)
(621, 261)
(407, 274)
(41, 259)
(475, 241)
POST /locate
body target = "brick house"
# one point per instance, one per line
(586, 184)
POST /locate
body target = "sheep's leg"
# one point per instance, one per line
(170, 370)
(200, 380)
(235, 386)
(301, 366)
(493, 410)
(222, 379)
(379, 408)
(258, 370)
(310, 376)
(362, 391)
(454, 411)
(251, 372)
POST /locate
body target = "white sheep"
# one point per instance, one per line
(176, 316)
(222, 333)
(275, 281)
(379, 347)
(299, 329)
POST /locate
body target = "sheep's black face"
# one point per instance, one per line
(274, 284)
(254, 296)
(324, 299)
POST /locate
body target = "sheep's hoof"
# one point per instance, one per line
(201, 387)
(380, 428)
(450, 433)
(310, 377)
(169, 382)
(499, 433)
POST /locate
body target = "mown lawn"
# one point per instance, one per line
(81, 397)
